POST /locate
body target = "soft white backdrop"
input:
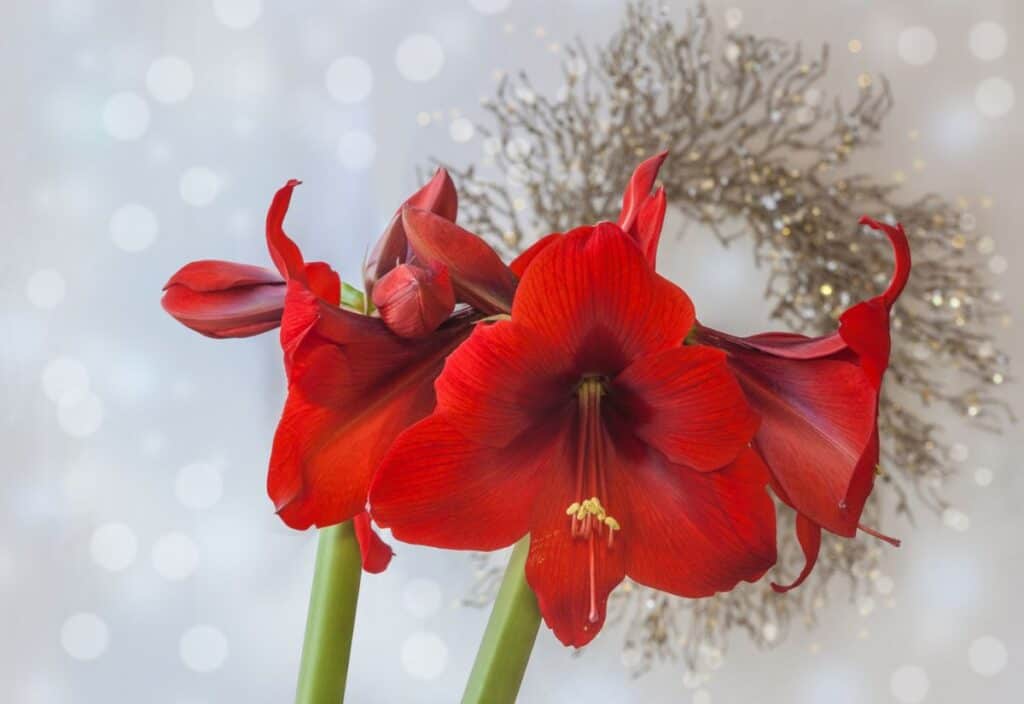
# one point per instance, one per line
(139, 557)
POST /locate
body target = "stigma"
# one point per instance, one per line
(589, 520)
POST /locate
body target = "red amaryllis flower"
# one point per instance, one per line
(584, 421)
(818, 402)
(355, 381)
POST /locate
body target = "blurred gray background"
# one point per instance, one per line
(140, 560)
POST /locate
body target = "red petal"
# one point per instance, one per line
(692, 533)
(324, 282)
(285, 253)
(437, 196)
(520, 263)
(817, 433)
(649, 221)
(213, 275)
(478, 275)
(224, 299)
(809, 535)
(437, 487)
(501, 381)
(639, 188)
(901, 253)
(595, 300)
(354, 387)
(686, 403)
(412, 300)
(375, 552)
(572, 589)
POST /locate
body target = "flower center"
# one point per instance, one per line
(588, 516)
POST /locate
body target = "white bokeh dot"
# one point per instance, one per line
(998, 264)
(956, 519)
(199, 485)
(175, 556)
(65, 377)
(199, 186)
(349, 79)
(126, 116)
(169, 79)
(490, 7)
(80, 416)
(917, 45)
(424, 656)
(909, 684)
(994, 97)
(238, 14)
(987, 656)
(113, 546)
(422, 597)
(959, 452)
(84, 636)
(461, 129)
(419, 57)
(356, 150)
(203, 648)
(987, 41)
(133, 227)
(45, 288)
(983, 476)
(733, 17)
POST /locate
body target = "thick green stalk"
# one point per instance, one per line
(508, 640)
(332, 614)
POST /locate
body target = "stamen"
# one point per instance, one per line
(587, 515)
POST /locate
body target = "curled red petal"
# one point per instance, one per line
(414, 300)
(901, 252)
(224, 299)
(438, 196)
(478, 275)
(808, 533)
(649, 221)
(283, 251)
(639, 188)
(376, 554)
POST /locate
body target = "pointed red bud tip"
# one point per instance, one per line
(285, 253)
(901, 252)
(478, 275)
(639, 188)
(224, 299)
(438, 196)
(413, 301)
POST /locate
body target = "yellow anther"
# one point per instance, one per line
(612, 523)
(573, 508)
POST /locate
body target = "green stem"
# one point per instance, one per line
(332, 614)
(508, 640)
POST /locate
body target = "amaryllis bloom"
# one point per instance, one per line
(355, 379)
(818, 403)
(583, 421)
